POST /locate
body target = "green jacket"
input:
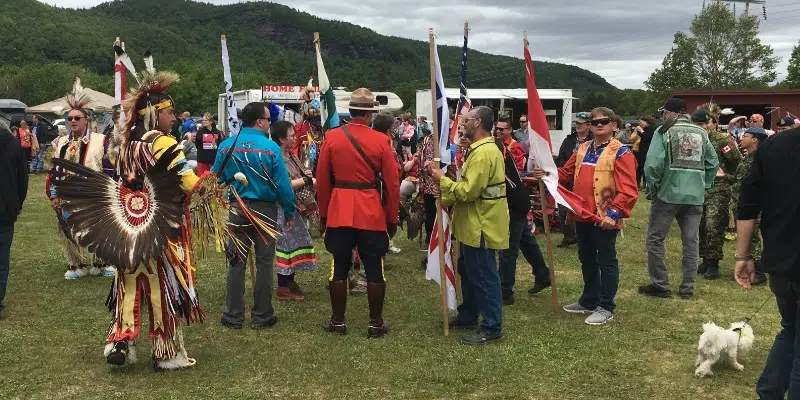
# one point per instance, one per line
(681, 164)
(729, 158)
(479, 197)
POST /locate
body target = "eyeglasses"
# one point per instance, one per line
(601, 121)
(74, 118)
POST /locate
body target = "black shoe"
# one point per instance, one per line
(655, 291)
(480, 337)
(334, 327)
(565, 243)
(712, 273)
(269, 323)
(118, 354)
(702, 268)
(230, 325)
(538, 287)
(761, 279)
(377, 329)
(508, 300)
(456, 324)
(686, 296)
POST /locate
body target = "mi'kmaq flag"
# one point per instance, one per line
(541, 153)
(433, 271)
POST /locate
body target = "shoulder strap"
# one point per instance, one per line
(359, 149)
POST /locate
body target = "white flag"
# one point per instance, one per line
(433, 273)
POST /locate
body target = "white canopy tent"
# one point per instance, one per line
(98, 102)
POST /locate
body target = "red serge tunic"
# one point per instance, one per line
(340, 161)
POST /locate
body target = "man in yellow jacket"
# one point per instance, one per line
(480, 222)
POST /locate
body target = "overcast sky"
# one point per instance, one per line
(624, 41)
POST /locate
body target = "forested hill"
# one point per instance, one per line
(43, 46)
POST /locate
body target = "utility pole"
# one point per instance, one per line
(746, 4)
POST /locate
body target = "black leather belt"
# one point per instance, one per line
(355, 185)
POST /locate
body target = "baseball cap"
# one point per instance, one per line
(757, 117)
(701, 115)
(786, 122)
(675, 105)
(758, 133)
(582, 117)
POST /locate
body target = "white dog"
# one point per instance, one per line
(716, 343)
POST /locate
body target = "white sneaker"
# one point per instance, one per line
(75, 273)
(109, 271)
(94, 271)
(600, 316)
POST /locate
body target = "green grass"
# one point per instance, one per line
(52, 333)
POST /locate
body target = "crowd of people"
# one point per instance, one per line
(372, 174)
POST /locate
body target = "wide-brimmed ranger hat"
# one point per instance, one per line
(363, 99)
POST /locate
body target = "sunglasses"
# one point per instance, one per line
(523, 121)
(74, 118)
(600, 122)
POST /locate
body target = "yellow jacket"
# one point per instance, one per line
(479, 197)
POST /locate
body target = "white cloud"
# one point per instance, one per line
(622, 40)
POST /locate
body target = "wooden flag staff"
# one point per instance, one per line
(546, 221)
(436, 161)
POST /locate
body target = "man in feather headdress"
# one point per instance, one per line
(89, 149)
(143, 221)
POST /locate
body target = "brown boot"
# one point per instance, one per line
(338, 292)
(296, 289)
(284, 293)
(376, 292)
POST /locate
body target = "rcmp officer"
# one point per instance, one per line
(358, 189)
(718, 198)
(750, 141)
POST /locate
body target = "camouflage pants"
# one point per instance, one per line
(755, 242)
(713, 224)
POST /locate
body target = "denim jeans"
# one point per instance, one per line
(782, 371)
(37, 164)
(597, 250)
(480, 288)
(6, 235)
(661, 216)
(521, 238)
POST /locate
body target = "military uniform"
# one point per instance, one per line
(717, 203)
(741, 172)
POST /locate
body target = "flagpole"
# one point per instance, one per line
(436, 160)
(456, 243)
(546, 221)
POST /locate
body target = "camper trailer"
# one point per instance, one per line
(557, 105)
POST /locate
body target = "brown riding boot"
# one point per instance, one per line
(336, 324)
(376, 292)
(296, 289)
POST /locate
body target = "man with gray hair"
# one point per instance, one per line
(480, 222)
(681, 165)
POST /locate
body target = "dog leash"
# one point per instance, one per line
(747, 320)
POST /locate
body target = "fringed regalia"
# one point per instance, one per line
(92, 151)
(145, 221)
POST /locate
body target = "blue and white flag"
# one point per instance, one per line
(442, 112)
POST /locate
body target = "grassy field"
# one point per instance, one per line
(52, 333)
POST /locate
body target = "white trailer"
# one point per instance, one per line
(557, 105)
(288, 99)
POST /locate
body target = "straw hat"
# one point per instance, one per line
(363, 99)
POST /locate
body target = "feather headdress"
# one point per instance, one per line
(713, 109)
(150, 82)
(76, 99)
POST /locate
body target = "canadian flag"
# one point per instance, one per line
(433, 273)
(541, 149)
